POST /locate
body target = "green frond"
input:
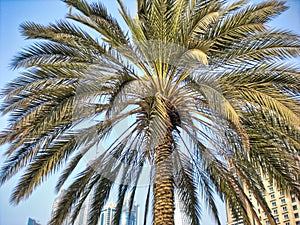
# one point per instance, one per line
(44, 163)
(265, 46)
(19, 159)
(121, 196)
(238, 201)
(186, 187)
(97, 17)
(99, 197)
(71, 196)
(266, 75)
(89, 139)
(138, 34)
(276, 104)
(204, 23)
(243, 22)
(147, 203)
(200, 163)
(266, 10)
(119, 92)
(48, 53)
(84, 197)
(64, 33)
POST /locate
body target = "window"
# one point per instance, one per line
(296, 215)
(267, 222)
(295, 207)
(288, 223)
(258, 210)
(281, 193)
(283, 201)
(273, 203)
(102, 219)
(275, 211)
(271, 189)
(284, 208)
(293, 199)
(298, 223)
(277, 220)
(286, 216)
(272, 196)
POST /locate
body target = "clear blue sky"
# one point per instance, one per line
(12, 14)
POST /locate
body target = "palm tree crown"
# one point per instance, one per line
(204, 88)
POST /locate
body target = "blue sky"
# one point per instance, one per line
(12, 14)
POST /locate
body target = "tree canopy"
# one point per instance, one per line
(200, 94)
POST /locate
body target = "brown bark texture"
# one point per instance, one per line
(164, 207)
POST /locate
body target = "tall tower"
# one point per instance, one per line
(127, 217)
(82, 217)
(32, 222)
(107, 213)
(55, 205)
(285, 208)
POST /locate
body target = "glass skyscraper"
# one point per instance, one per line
(55, 205)
(32, 222)
(107, 214)
(129, 218)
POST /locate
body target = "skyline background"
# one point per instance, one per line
(12, 14)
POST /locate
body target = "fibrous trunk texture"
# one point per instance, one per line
(164, 183)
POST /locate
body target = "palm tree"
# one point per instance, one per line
(204, 87)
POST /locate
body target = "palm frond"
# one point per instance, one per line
(97, 17)
(186, 187)
(99, 198)
(44, 163)
(71, 196)
(64, 33)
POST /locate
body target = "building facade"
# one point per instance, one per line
(55, 205)
(285, 208)
(107, 214)
(82, 218)
(32, 222)
(127, 217)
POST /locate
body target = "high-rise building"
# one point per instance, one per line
(107, 214)
(55, 205)
(82, 218)
(285, 208)
(32, 222)
(129, 217)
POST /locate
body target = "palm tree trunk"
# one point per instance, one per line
(164, 207)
